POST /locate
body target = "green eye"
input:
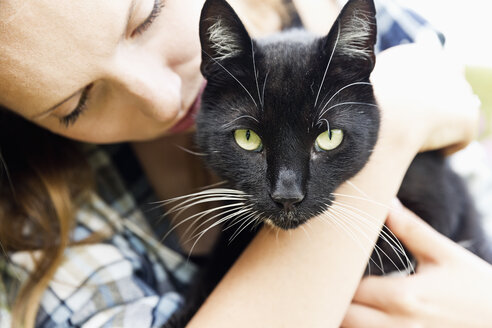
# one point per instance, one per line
(248, 139)
(324, 142)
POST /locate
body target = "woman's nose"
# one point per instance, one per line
(155, 89)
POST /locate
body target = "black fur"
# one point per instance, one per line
(290, 68)
(277, 87)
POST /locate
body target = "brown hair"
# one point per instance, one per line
(43, 177)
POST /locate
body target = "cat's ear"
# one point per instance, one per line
(222, 35)
(353, 34)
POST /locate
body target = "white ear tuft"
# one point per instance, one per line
(223, 41)
(355, 35)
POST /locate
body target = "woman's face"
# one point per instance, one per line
(101, 70)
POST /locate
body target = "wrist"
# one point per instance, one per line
(425, 101)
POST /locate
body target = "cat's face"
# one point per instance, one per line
(289, 118)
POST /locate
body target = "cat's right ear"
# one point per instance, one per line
(222, 35)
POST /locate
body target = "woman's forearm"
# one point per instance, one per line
(306, 277)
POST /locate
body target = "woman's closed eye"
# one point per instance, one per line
(156, 10)
(70, 119)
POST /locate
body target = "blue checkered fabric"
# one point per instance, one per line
(130, 278)
(127, 279)
(399, 25)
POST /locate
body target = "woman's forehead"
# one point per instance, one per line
(50, 48)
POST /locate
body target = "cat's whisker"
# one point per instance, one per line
(335, 217)
(7, 174)
(256, 73)
(225, 69)
(235, 210)
(391, 240)
(349, 218)
(186, 150)
(203, 192)
(340, 90)
(327, 124)
(246, 219)
(305, 231)
(237, 220)
(201, 195)
(243, 214)
(263, 91)
(344, 104)
(392, 237)
(328, 65)
(222, 220)
(357, 188)
(181, 209)
(335, 221)
(201, 214)
(189, 202)
(395, 245)
(349, 223)
(362, 198)
(213, 185)
(239, 230)
(201, 234)
(225, 126)
(258, 220)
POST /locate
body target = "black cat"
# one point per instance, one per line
(286, 119)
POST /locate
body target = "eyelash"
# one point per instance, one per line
(156, 10)
(71, 118)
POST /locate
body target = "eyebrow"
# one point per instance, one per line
(49, 110)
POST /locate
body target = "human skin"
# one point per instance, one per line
(461, 298)
(144, 85)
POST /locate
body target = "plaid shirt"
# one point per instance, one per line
(130, 278)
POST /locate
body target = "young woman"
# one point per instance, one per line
(77, 247)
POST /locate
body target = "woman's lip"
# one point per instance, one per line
(189, 119)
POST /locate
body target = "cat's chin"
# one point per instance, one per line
(285, 222)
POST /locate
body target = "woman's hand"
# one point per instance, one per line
(452, 287)
(425, 97)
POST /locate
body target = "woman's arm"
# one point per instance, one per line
(452, 286)
(307, 277)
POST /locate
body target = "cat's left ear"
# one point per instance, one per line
(353, 34)
(222, 35)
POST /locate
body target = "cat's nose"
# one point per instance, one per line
(287, 191)
(287, 201)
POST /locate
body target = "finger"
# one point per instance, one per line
(425, 243)
(361, 316)
(379, 292)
